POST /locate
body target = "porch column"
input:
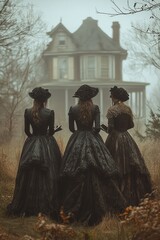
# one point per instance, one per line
(137, 106)
(130, 100)
(66, 103)
(140, 105)
(144, 103)
(101, 103)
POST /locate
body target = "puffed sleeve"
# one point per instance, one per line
(51, 123)
(27, 124)
(71, 120)
(97, 119)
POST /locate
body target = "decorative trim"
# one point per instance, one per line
(117, 109)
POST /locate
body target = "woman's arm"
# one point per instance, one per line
(97, 119)
(71, 120)
(51, 123)
(27, 124)
(110, 125)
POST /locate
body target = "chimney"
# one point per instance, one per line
(115, 32)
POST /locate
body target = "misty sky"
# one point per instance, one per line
(73, 12)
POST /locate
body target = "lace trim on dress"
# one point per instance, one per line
(117, 109)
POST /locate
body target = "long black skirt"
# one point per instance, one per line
(89, 177)
(36, 186)
(135, 178)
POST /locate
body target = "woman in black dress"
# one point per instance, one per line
(136, 180)
(36, 187)
(88, 172)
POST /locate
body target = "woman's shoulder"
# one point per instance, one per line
(27, 111)
(73, 108)
(47, 111)
(117, 109)
(76, 108)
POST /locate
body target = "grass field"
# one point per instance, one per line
(136, 224)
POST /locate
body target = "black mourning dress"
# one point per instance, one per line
(88, 173)
(36, 187)
(136, 180)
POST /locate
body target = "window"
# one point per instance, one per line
(61, 39)
(63, 67)
(96, 67)
(104, 67)
(91, 67)
(88, 67)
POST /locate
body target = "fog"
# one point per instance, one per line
(72, 13)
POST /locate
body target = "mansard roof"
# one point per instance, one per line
(89, 36)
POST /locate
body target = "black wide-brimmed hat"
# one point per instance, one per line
(40, 94)
(86, 92)
(119, 93)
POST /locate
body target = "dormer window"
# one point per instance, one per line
(61, 39)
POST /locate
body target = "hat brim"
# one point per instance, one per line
(40, 98)
(30, 94)
(85, 95)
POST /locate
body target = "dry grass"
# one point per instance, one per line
(108, 229)
(144, 219)
(151, 152)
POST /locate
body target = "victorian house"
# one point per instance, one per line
(88, 56)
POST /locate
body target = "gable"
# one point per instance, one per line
(62, 40)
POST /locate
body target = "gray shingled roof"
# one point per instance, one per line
(90, 37)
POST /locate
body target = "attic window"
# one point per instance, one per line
(61, 39)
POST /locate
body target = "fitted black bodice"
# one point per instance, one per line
(45, 124)
(74, 117)
(120, 118)
(120, 123)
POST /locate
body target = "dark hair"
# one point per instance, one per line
(85, 115)
(119, 93)
(40, 96)
(37, 106)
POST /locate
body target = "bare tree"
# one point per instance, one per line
(22, 41)
(144, 49)
(16, 22)
(132, 8)
(144, 39)
(138, 7)
(17, 78)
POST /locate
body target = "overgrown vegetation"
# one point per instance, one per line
(137, 223)
(152, 130)
(145, 219)
(153, 125)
